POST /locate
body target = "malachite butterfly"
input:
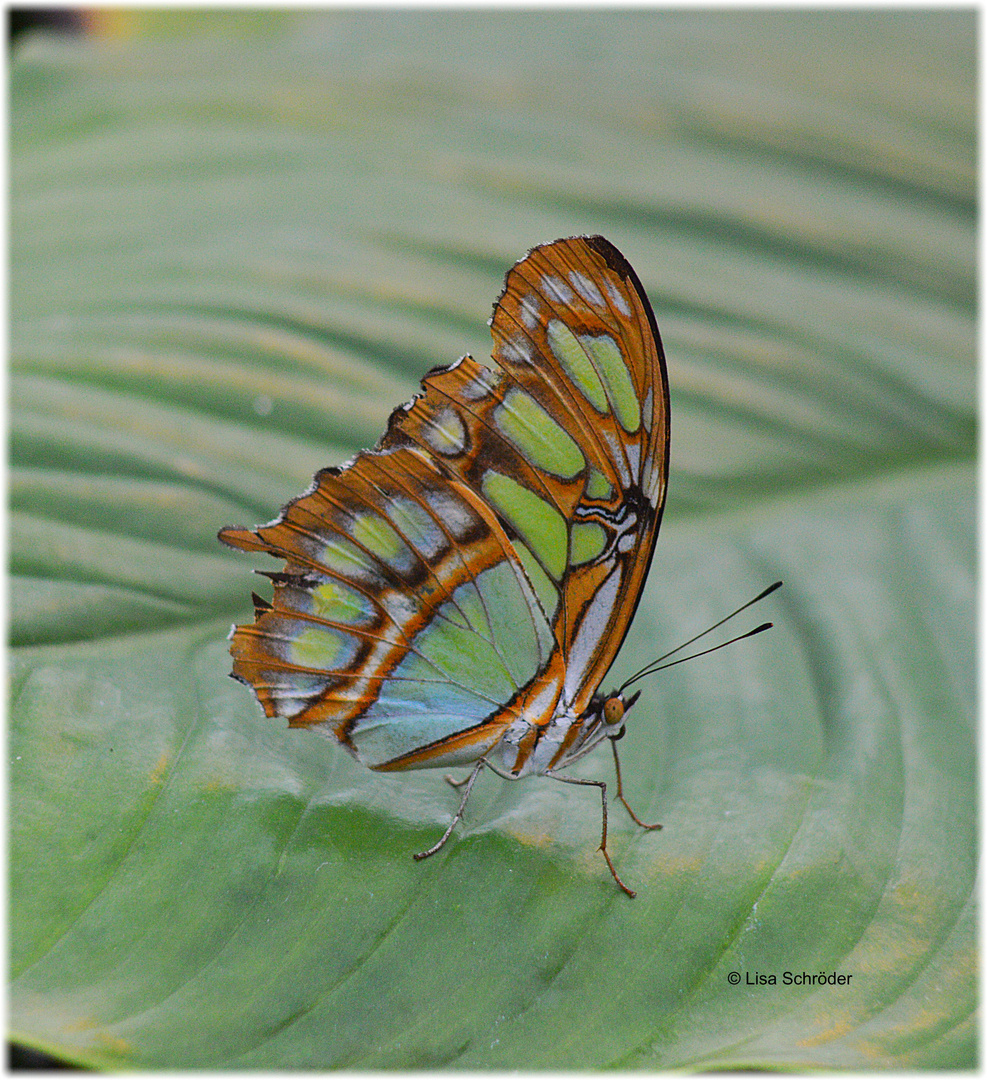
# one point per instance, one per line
(457, 594)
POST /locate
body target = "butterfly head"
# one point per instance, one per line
(612, 710)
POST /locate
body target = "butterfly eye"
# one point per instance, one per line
(613, 711)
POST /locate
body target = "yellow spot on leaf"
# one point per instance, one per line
(160, 768)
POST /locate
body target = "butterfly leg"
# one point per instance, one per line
(620, 790)
(603, 840)
(469, 781)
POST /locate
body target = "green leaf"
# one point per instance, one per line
(238, 241)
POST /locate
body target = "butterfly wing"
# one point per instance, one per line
(479, 568)
(575, 331)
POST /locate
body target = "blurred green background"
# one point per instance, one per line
(238, 240)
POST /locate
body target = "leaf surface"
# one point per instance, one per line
(228, 265)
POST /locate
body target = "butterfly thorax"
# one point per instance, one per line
(533, 749)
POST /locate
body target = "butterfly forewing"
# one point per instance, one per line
(574, 328)
(481, 566)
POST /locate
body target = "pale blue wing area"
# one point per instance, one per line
(501, 606)
(379, 738)
(455, 676)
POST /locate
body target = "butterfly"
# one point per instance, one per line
(456, 595)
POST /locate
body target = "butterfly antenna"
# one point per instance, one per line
(659, 664)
